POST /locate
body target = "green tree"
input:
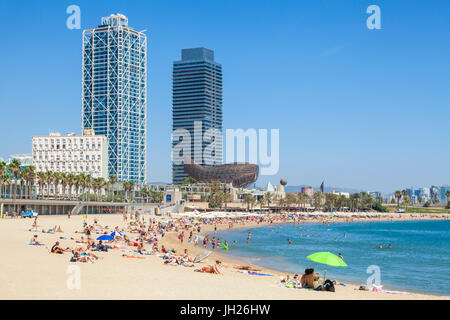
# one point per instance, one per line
(318, 199)
(398, 196)
(112, 182)
(248, 200)
(14, 174)
(268, 198)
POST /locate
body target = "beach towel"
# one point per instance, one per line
(35, 244)
(133, 257)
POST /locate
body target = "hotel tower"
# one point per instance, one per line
(197, 107)
(114, 90)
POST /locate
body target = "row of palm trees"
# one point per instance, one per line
(17, 181)
(319, 200)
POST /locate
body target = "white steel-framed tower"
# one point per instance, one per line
(114, 94)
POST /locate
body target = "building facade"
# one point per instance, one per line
(443, 191)
(197, 110)
(87, 154)
(114, 94)
(309, 191)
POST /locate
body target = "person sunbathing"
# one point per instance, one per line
(211, 269)
(59, 229)
(248, 268)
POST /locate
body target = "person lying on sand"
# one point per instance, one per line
(211, 269)
(248, 268)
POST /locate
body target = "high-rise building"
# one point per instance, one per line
(115, 94)
(197, 109)
(443, 196)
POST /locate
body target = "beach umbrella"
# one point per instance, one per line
(105, 237)
(115, 233)
(327, 258)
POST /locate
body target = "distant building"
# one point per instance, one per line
(376, 195)
(87, 154)
(443, 190)
(309, 191)
(25, 159)
(435, 193)
(197, 109)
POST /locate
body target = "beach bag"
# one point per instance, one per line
(329, 285)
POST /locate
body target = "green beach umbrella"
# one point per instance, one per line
(328, 259)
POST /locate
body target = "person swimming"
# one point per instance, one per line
(289, 240)
(340, 256)
(380, 246)
(389, 246)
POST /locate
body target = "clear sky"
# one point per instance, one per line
(358, 108)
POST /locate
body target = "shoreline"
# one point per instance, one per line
(280, 272)
(218, 254)
(30, 272)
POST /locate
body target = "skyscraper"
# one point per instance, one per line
(197, 108)
(114, 94)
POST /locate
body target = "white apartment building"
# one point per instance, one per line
(87, 154)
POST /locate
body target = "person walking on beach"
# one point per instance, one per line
(68, 214)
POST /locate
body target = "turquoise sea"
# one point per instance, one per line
(419, 260)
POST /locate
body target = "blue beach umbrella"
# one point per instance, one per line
(105, 237)
(115, 233)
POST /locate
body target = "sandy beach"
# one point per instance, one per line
(32, 272)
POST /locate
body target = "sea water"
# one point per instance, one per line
(419, 260)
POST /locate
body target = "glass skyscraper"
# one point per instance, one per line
(114, 94)
(197, 107)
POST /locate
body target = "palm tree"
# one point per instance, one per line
(405, 199)
(248, 199)
(14, 174)
(57, 180)
(128, 186)
(145, 193)
(447, 194)
(42, 178)
(71, 182)
(268, 198)
(87, 184)
(227, 198)
(318, 199)
(64, 182)
(112, 182)
(261, 202)
(2, 176)
(49, 180)
(29, 176)
(78, 182)
(355, 201)
(398, 195)
(98, 184)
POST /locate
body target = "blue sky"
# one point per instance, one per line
(358, 108)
